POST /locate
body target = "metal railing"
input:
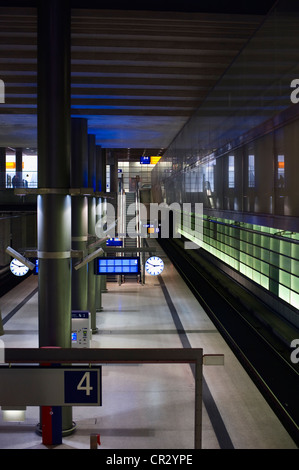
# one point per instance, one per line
(123, 356)
(24, 179)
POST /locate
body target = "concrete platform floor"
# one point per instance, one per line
(149, 406)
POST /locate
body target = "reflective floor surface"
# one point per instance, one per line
(150, 406)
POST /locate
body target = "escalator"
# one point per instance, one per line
(130, 241)
(127, 232)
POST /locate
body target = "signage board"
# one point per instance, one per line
(118, 265)
(50, 386)
(114, 242)
(81, 329)
(155, 160)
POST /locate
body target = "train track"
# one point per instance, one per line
(8, 281)
(265, 358)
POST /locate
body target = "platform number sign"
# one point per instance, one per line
(82, 387)
(84, 384)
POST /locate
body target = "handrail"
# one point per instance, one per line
(99, 355)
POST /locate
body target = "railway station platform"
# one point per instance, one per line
(150, 406)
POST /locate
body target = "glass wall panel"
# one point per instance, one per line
(239, 155)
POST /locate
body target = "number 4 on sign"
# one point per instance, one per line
(85, 380)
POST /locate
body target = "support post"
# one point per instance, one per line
(54, 208)
(2, 167)
(92, 230)
(19, 165)
(79, 179)
(1, 326)
(101, 187)
(198, 403)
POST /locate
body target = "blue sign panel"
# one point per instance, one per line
(114, 242)
(34, 261)
(82, 387)
(145, 160)
(117, 266)
(80, 314)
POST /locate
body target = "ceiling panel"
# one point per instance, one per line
(137, 76)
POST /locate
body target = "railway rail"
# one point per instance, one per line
(263, 353)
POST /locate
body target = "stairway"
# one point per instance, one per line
(130, 242)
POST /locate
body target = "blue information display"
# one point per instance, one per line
(80, 314)
(35, 261)
(117, 266)
(82, 387)
(114, 242)
(145, 160)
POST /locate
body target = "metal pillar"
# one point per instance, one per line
(92, 230)
(19, 163)
(101, 178)
(1, 325)
(100, 169)
(113, 174)
(112, 159)
(99, 279)
(54, 204)
(2, 167)
(79, 179)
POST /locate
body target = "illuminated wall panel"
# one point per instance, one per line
(262, 254)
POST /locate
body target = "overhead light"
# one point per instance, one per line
(10, 251)
(88, 259)
(13, 415)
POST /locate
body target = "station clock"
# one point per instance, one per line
(154, 266)
(18, 269)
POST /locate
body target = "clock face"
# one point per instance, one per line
(154, 266)
(18, 268)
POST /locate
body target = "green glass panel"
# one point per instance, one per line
(295, 283)
(285, 263)
(294, 300)
(295, 251)
(274, 259)
(264, 281)
(284, 293)
(295, 267)
(284, 278)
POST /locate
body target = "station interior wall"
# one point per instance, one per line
(238, 157)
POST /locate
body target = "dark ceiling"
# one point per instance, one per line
(137, 75)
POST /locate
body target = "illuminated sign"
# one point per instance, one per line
(35, 262)
(149, 160)
(114, 242)
(117, 266)
(155, 160)
(35, 271)
(12, 165)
